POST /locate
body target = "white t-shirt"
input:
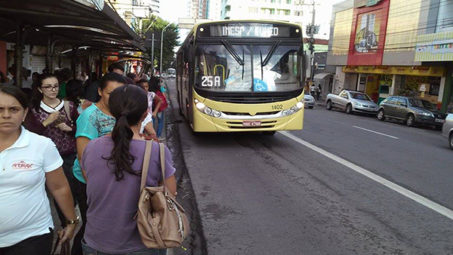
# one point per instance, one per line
(24, 207)
(149, 116)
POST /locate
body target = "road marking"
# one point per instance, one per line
(379, 133)
(395, 187)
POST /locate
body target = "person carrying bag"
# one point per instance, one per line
(161, 220)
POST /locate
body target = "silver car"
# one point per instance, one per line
(309, 101)
(447, 129)
(351, 101)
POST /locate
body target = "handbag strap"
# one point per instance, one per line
(162, 165)
(67, 110)
(145, 167)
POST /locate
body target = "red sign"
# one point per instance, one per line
(367, 40)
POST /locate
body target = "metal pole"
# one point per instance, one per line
(152, 54)
(162, 47)
(312, 40)
(18, 55)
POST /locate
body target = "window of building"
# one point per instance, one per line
(272, 11)
(287, 12)
(444, 20)
(288, 1)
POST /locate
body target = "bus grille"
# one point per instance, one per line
(251, 100)
(248, 114)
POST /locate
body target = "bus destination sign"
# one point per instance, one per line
(250, 30)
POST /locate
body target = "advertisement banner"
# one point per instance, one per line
(434, 47)
(367, 38)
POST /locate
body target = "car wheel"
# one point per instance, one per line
(410, 120)
(450, 140)
(329, 105)
(381, 115)
(348, 109)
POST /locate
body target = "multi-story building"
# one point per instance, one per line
(214, 9)
(197, 9)
(133, 11)
(395, 47)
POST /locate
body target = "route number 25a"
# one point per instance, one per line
(210, 81)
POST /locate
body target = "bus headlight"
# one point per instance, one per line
(207, 110)
(293, 109)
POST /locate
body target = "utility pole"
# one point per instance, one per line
(152, 54)
(311, 42)
(162, 47)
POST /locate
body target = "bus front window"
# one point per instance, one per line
(247, 68)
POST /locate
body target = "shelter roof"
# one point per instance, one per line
(70, 22)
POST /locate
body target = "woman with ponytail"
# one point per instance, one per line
(112, 166)
(95, 121)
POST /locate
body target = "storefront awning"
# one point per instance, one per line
(320, 76)
(66, 22)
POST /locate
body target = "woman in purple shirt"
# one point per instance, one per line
(112, 165)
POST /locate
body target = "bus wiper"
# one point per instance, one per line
(243, 64)
(261, 59)
(233, 52)
(271, 52)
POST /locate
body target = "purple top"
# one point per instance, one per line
(65, 141)
(112, 204)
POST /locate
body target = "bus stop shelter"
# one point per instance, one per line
(74, 23)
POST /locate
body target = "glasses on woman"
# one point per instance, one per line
(50, 88)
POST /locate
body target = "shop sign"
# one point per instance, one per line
(434, 47)
(437, 71)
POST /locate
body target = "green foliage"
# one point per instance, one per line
(155, 24)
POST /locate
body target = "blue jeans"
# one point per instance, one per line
(160, 123)
(87, 250)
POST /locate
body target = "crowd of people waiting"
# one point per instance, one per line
(83, 142)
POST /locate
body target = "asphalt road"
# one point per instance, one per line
(260, 194)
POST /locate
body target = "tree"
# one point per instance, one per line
(155, 24)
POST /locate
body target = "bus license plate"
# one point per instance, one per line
(251, 123)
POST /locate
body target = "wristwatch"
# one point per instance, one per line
(76, 221)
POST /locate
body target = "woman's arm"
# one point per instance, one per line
(81, 143)
(171, 184)
(159, 103)
(58, 186)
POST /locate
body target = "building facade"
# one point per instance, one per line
(397, 47)
(134, 11)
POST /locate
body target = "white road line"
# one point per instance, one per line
(379, 133)
(395, 187)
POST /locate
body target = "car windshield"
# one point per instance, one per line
(421, 103)
(245, 68)
(360, 96)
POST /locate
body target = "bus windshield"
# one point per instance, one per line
(247, 68)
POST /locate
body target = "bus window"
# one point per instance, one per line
(230, 68)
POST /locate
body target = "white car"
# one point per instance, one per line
(309, 101)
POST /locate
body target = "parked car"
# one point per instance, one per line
(447, 129)
(411, 110)
(309, 101)
(351, 101)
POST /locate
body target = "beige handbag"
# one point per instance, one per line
(161, 220)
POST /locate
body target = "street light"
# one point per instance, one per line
(162, 47)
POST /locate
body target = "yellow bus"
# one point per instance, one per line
(242, 76)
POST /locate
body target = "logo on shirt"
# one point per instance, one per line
(22, 165)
